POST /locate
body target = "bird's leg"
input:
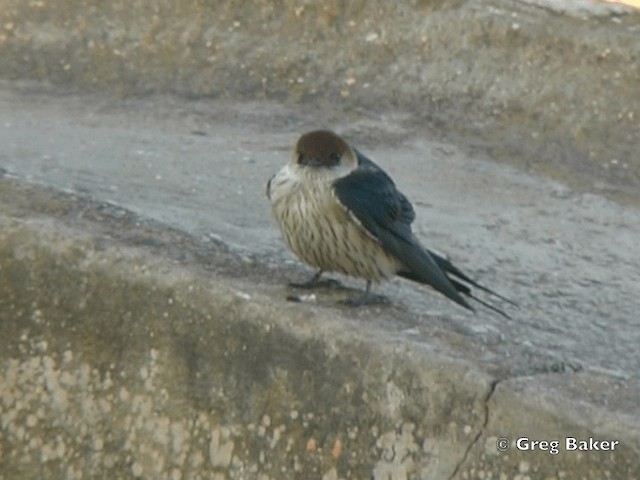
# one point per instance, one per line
(315, 281)
(367, 298)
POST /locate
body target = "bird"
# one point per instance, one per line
(338, 211)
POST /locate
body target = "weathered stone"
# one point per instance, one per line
(117, 362)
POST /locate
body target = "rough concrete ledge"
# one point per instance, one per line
(120, 363)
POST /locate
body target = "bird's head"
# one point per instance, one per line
(324, 150)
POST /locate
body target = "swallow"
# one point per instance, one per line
(338, 211)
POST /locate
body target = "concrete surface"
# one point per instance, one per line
(540, 243)
(133, 351)
(551, 85)
(142, 281)
(109, 314)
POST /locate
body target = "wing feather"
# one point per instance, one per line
(370, 194)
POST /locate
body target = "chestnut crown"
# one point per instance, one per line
(323, 149)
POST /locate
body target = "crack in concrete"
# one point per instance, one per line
(465, 455)
(492, 388)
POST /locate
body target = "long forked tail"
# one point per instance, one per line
(452, 271)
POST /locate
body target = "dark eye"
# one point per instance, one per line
(335, 158)
(300, 157)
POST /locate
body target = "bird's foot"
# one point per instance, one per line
(324, 283)
(315, 282)
(366, 299)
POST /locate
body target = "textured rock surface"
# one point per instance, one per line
(118, 364)
(157, 344)
(123, 356)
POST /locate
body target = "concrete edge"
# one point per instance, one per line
(92, 320)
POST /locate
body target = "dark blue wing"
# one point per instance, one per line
(370, 194)
(373, 198)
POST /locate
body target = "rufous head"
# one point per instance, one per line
(324, 149)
